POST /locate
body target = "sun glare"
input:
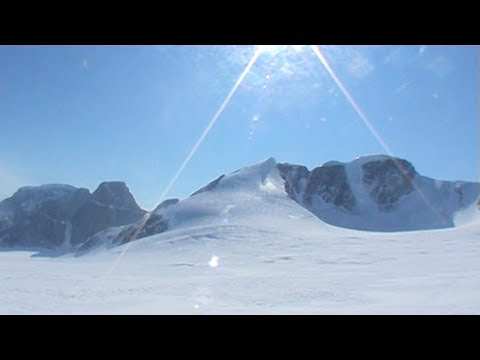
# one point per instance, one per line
(275, 49)
(298, 48)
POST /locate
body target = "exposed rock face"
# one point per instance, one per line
(327, 182)
(38, 216)
(330, 183)
(155, 224)
(50, 216)
(296, 178)
(39, 230)
(378, 193)
(389, 180)
(115, 194)
(111, 204)
(150, 224)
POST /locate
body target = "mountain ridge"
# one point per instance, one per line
(372, 192)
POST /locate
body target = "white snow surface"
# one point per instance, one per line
(238, 252)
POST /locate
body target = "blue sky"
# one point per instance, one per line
(86, 114)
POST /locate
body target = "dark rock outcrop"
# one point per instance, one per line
(152, 224)
(51, 216)
(38, 216)
(115, 194)
(389, 180)
(331, 184)
(366, 193)
(111, 204)
(296, 177)
(155, 224)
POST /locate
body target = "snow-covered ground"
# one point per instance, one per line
(259, 269)
(245, 247)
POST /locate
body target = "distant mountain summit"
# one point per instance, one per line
(53, 216)
(375, 193)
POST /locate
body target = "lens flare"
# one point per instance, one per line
(212, 122)
(189, 156)
(368, 124)
(271, 50)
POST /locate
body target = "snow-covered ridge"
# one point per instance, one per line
(247, 244)
(375, 192)
(379, 193)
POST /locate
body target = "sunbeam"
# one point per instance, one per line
(350, 99)
(212, 122)
(370, 127)
(202, 137)
(272, 50)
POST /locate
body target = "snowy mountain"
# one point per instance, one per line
(54, 216)
(228, 251)
(376, 193)
(253, 241)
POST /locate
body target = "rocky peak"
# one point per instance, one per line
(331, 184)
(388, 180)
(115, 194)
(328, 181)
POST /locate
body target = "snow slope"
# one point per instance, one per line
(368, 193)
(257, 251)
(254, 193)
(260, 270)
